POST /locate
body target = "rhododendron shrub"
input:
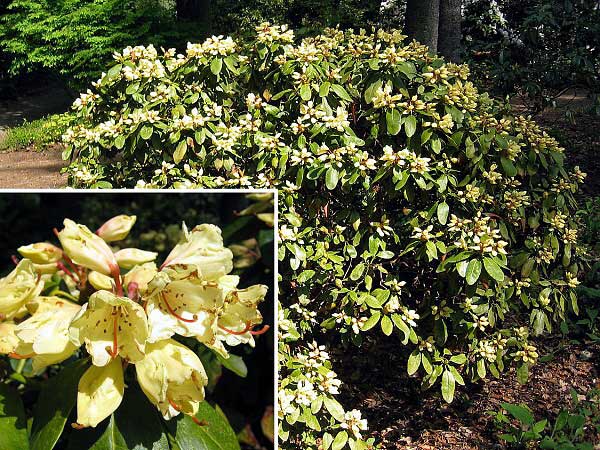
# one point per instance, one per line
(410, 203)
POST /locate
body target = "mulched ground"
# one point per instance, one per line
(402, 417)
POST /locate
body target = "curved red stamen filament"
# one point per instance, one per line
(248, 328)
(263, 330)
(237, 333)
(14, 355)
(15, 260)
(197, 421)
(172, 311)
(70, 274)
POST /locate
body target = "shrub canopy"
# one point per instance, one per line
(409, 202)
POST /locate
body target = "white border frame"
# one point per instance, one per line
(275, 193)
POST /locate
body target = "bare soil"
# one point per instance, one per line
(32, 169)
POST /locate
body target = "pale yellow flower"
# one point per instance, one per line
(44, 336)
(202, 248)
(109, 325)
(172, 377)
(100, 393)
(18, 287)
(182, 303)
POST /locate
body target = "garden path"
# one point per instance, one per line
(32, 169)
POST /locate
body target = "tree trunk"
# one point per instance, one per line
(422, 21)
(450, 34)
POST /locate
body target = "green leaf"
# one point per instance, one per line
(508, 166)
(473, 271)
(216, 65)
(410, 125)
(340, 441)
(371, 321)
(523, 373)
(13, 422)
(331, 178)
(305, 92)
(442, 212)
(386, 325)
(341, 92)
(448, 385)
(393, 122)
(120, 141)
(414, 361)
(493, 269)
(217, 434)
(334, 408)
(54, 405)
(324, 89)
(180, 151)
(357, 272)
(146, 132)
(234, 363)
(519, 412)
(114, 71)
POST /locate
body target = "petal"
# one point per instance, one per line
(203, 248)
(100, 393)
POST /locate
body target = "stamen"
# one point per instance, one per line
(15, 260)
(172, 311)
(14, 355)
(78, 426)
(263, 330)
(237, 333)
(248, 328)
(197, 421)
(115, 350)
(70, 274)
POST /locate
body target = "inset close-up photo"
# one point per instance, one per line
(137, 320)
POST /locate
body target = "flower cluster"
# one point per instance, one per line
(124, 310)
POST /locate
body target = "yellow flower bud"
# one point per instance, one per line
(18, 287)
(130, 257)
(172, 377)
(100, 281)
(100, 393)
(141, 275)
(117, 228)
(87, 249)
(41, 253)
(109, 325)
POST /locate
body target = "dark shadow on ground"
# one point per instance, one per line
(34, 102)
